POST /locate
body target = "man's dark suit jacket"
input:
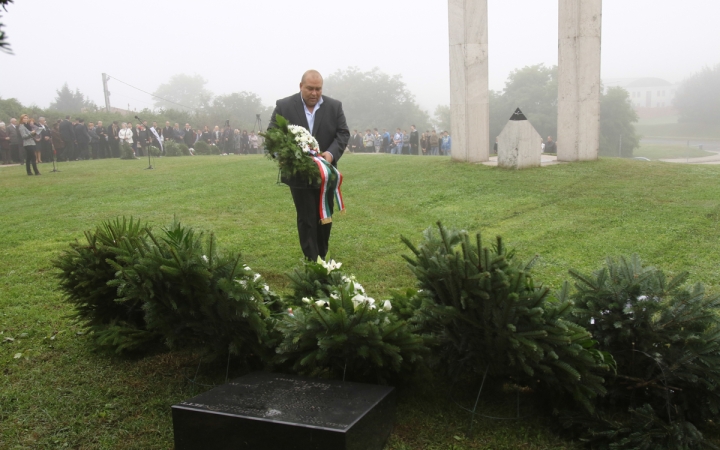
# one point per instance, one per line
(330, 128)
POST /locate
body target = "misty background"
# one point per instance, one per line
(264, 47)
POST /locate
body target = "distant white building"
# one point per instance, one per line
(647, 92)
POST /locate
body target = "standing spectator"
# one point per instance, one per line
(495, 146)
(550, 146)
(27, 134)
(102, 140)
(125, 135)
(167, 132)
(94, 140)
(68, 134)
(377, 141)
(188, 136)
(424, 143)
(57, 142)
(397, 143)
(136, 137)
(406, 143)
(4, 144)
(154, 136)
(178, 134)
(355, 142)
(414, 140)
(15, 143)
(113, 132)
(143, 140)
(217, 136)
(385, 141)
(368, 141)
(206, 135)
(237, 142)
(434, 143)
(82, 137)
(446, 144)
(245, 139)
(254, 143)
(542, 146)
(45, 143)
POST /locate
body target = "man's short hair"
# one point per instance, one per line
(311, 72)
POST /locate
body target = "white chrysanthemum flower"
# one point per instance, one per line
(387, 306)
(306, 300)
(266, 288)
(243, 283)
(205, 258)
(256, 277)
(320, 303)
(358, 287)
(334, 296)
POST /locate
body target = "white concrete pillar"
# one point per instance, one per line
(580, 31)
(469, 88)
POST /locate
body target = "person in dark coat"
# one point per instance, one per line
(227, 140)
(245, 143)
(103, 144)
(68, 134)
(325, 119)
(82, 137)
(113, 139)
(45, 143)
(355, 143)
(57, 141)
(143, 140)
(4, 144)
(188, 136)
(550, 146)
(94, 140)
(414, 140)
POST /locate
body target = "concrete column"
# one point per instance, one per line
(469, 88)
(580, 29)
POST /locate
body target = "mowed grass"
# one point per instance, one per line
(60, 393)
(656, 152)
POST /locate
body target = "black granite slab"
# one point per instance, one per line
(265, 411)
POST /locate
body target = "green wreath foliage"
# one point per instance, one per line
(339, 332)
(494, 320)
(280, 146)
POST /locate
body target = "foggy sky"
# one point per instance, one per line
(264, 46)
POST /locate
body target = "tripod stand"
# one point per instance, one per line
(147, 147)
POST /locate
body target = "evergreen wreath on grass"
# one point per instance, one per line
(665, 339)
(494, 320)
(339, 332)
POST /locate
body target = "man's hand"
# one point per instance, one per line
(328, 156)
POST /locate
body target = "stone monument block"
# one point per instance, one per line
(264, 411)
(519, 144)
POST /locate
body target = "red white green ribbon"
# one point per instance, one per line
(330, 182)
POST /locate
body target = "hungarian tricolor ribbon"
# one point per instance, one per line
(330, 182)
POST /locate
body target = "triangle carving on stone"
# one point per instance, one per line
(518, 115)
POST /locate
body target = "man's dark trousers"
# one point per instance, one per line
(314, 236)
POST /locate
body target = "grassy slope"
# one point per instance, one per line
(61, 392)
(656, 152)
(678, 130)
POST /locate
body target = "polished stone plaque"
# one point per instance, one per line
(266, 411)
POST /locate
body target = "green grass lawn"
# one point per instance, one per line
(656, 152)
(60, 393)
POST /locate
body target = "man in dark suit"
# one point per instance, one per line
(324, 117)
(414, 140)
(68, 135)
(82, 138)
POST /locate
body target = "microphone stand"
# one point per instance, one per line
(147, 148)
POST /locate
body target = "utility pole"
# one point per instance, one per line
(106, 92)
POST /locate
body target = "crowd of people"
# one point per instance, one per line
(35, 142)
(401, 142)
(72, 140)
